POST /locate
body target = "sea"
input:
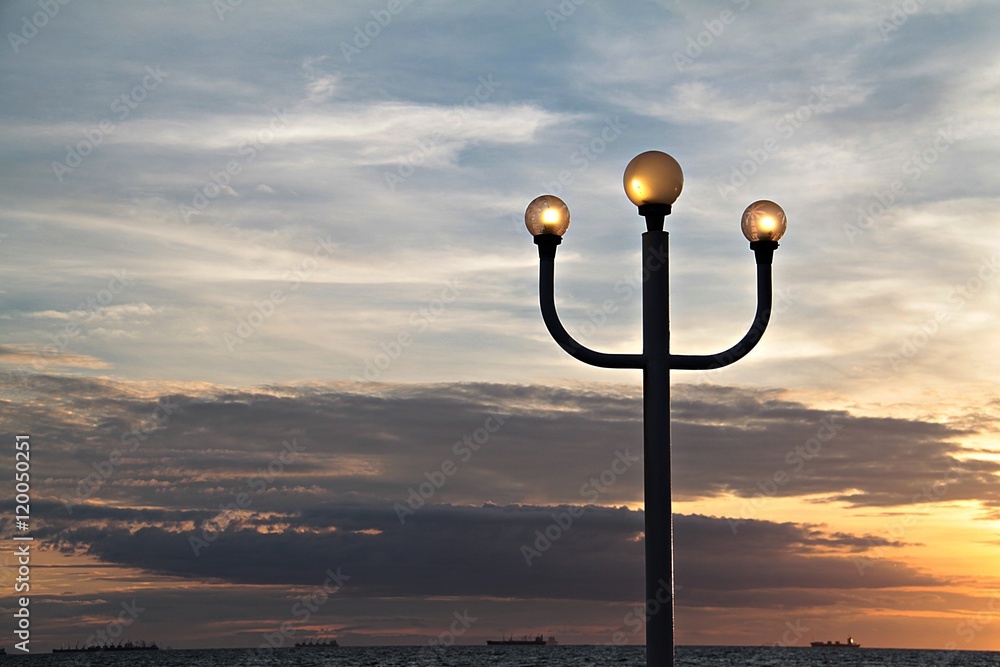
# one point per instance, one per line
(515, 656)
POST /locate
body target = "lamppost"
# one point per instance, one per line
(653, 180)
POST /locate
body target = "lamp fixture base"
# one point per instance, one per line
(763, 251)
(547, 245)
(654, 214)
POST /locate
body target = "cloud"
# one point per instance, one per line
(765, 563)
(480, 552)
(46, 356)
(219, 484)
(738, 442)
(131, 312)
(351, 125)
(503, 444)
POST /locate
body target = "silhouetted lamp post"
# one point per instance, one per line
(653, 180)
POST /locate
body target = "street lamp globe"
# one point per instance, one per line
(653, 178)
(547, 215)
(763, 221)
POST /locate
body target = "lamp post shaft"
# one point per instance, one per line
(656, 361)
(659, 532)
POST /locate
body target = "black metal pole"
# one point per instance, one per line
(655, 362)
(656, 450)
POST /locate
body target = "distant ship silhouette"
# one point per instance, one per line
(127, 646)
(850, 644)
(319, 643)
(539, 640)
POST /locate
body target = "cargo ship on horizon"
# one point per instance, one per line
(539, 640)
(318, 643)
(850, 644)
(94, 648)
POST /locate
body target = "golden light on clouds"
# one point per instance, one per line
(38, 357)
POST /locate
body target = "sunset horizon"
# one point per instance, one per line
(131, 524)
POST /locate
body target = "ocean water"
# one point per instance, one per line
(518, 656)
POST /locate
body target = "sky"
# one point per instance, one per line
(268, 312)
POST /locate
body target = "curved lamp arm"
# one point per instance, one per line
(546, 293)
(764, 251)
